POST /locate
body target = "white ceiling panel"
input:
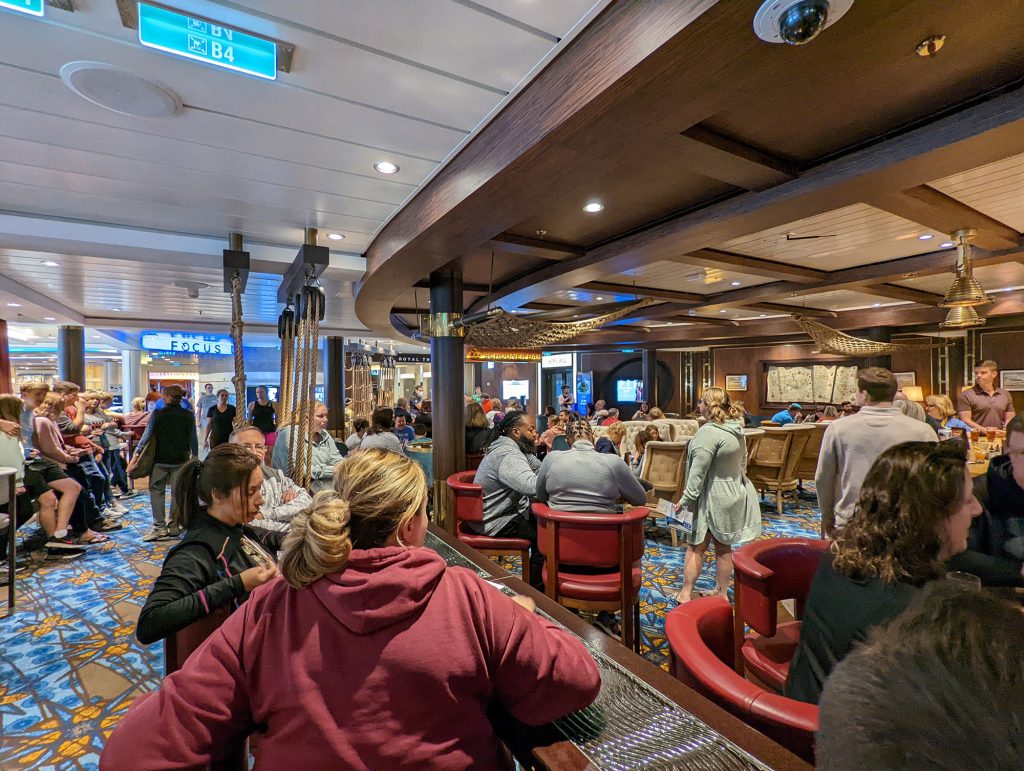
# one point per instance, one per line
(443, 35)
(687, 278)
(996, 190)
(555, 18)
(843, 300)
(854, 235)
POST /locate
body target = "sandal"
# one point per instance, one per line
(109, 526)
(96, 538)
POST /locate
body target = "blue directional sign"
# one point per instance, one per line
(206, 41)
(32, 7)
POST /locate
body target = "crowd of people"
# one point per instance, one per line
(900, 507)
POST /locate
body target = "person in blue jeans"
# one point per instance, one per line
(789, 415)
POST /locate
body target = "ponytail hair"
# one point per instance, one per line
(720, 409)
(376, 492)
(227, 467)
(577, 427)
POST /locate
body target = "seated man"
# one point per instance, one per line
(939, 684)
(996, 542)
(789, 415)
(359, 427)
(403, 430)
(282, 498)
(613, 417)
(508, 475)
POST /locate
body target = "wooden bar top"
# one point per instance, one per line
(551, 749)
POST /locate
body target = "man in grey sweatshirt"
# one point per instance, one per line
(852, 444)
(508, 475)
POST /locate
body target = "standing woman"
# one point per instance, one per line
(722, 499)
(208, 570)
(173, 428)
(263, 415)
(220, 423)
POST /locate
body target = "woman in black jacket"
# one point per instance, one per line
(209, 569)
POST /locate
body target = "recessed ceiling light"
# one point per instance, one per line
(946, 244)
(49, 318)
(335, 236)
(598, 298)
(13, 305)
(735, 283)
(722, 311)
(116, 310)
(51, 264)
(876, 305)
(593, 207)
(763, 315)
(386, 167)
(925, 236)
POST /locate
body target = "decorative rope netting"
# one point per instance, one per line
(505, 330)
(833, 341)
(359, 379)
(388, 378)
(237, 326)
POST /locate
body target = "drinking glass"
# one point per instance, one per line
(990, 434)
(975, 435)
(964, 580)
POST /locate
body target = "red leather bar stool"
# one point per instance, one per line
(767, 572)
(700, 639)
(469, 507)
(597, 561)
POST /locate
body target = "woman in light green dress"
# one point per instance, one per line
(722, 499)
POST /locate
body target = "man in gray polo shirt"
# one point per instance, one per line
(985, 405)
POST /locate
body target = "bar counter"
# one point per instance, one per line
(643, 718)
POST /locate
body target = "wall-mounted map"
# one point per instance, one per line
(817, 383)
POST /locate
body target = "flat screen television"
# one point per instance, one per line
(629, 390)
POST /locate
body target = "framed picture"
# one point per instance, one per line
(735, 382)
(1012, 379)
(905, 378)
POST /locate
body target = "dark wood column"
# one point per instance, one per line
(447, 355)
(6, 378)
(334, 384)
(649, 373)
(71, 355)
(881, 335)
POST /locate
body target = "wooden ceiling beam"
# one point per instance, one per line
(751, 266)
(719, 157)
(934, 209)
(897, 292)
(643, 291)
(966, 139)
(534, 247)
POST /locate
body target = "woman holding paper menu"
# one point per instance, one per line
(721, 499)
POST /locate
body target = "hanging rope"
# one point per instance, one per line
(286, 333)
(237, 326)
(310, 312)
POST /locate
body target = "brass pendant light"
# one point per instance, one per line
(962, 317)
(965, 293)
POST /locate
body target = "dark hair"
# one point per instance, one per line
(426, 405)
(382, 420)
(360, 424)
(420, 429)
(549, 411)
(505, 426)
(226, 467)
(1015, 426)
(942, 682)
(908, 491)
(879, 383)
(173, 394)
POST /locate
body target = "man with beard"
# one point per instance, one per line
(508, 475)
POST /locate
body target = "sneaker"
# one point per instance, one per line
(608, 623)
(108, 526)
(117, 508)
(158, 532)
(68, 543)
(129, 494)
(173, 531)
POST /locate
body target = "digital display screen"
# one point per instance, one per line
(629, 391)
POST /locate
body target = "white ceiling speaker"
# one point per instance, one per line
(797, 22)
(120, 90)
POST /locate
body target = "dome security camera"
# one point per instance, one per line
(797, 22)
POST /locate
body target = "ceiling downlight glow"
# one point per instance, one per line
(386, 167)
(593, 207)
(336, 236)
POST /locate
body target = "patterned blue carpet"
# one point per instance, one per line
(70, 665)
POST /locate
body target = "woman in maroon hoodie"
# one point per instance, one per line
(371, 653)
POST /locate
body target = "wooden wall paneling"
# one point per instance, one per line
(1007, 350)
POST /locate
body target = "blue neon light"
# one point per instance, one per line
(204, 41)
(31, 7)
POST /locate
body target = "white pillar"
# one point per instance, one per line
(131, 377)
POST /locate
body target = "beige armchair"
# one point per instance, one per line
(773, 463)
(808, 463)
(664, 467)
